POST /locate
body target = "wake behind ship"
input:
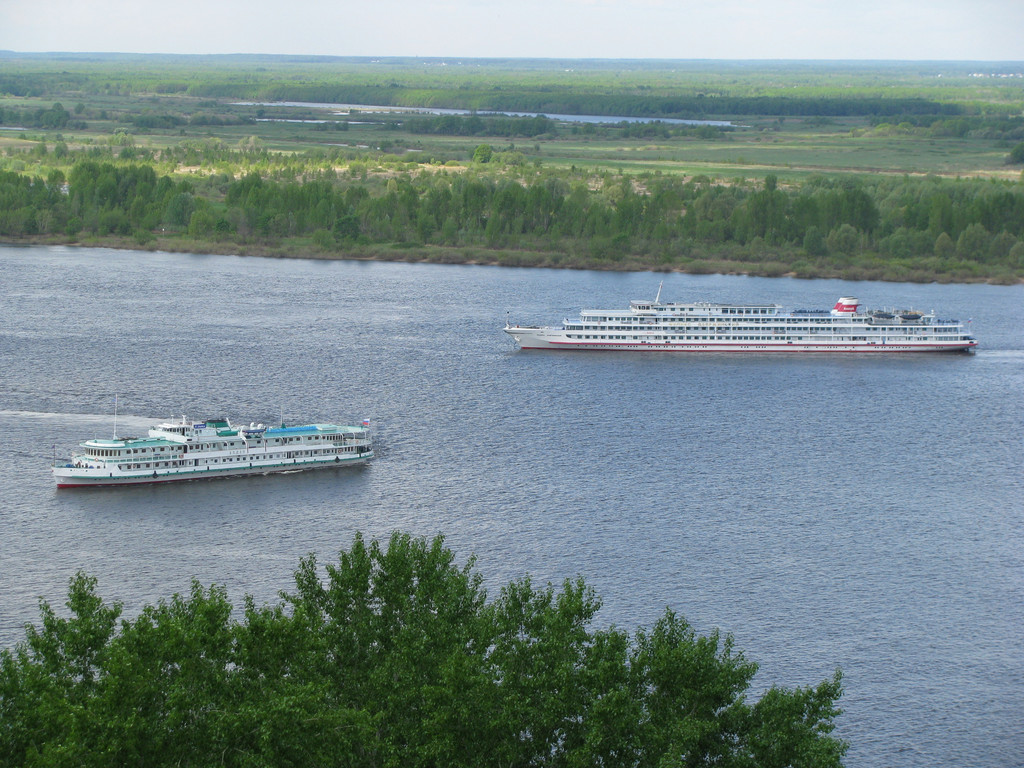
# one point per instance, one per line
(212, 448)
(651, 326)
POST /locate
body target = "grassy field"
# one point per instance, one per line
(792, 151)
(109, 92)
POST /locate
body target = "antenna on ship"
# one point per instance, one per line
(658, 297)
(115, 416)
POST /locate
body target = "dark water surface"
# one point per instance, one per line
(860, 512)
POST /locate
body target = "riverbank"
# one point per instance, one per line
(727, 263)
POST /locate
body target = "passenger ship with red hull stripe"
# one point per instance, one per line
(655, 326)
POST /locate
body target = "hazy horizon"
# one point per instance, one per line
(731, 30)
(12, 53)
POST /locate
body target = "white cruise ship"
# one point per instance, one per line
(650, 326)
(214, 448)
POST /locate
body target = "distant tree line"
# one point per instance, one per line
(661, 129)
(571, 101)
(54, 118)
(394, 657)
(1006, 128)
(648, 90)
(151, 121)
(476, 125)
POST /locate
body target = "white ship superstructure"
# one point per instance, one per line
(188, 450)
(706, 327)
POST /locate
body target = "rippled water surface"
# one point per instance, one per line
(859, 512)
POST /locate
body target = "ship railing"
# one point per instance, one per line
(83, 455)
(82, 459)
(352, 441)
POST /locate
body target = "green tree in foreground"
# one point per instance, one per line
(395, 658)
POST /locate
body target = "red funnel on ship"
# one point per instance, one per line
(845, 306)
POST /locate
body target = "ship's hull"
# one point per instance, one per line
(91, 477)
(554, 338)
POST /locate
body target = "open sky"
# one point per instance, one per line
(984, 30)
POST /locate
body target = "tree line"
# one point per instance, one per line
(476, 125)
(653, 95)
(968, 229)
(394, 657)
(154, 121)
(574, 101)
(53, 118)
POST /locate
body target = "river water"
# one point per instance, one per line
(828, 511)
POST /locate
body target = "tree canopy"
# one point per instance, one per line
(394, 658)
(886, 228)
